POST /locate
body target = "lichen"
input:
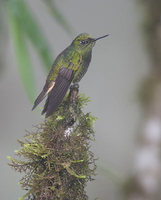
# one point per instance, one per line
(56, 159)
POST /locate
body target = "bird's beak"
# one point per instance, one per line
(101, 37)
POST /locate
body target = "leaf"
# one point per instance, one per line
(34, 33)
(58, 16)
(71, 172)
(2, 38)
(24, 63)
(9, 158)
(77, 161)
(59, 117)
(21, 198)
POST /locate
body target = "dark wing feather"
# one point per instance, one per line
(55, 97)
(47, 88)
(41, 96)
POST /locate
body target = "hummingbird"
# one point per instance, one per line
(69, 67)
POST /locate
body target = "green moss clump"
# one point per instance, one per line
(56, 158)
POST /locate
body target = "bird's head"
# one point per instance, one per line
(84, 42)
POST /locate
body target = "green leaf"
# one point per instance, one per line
(2, 37)
(21, 198)
(59, 117)
(71, 172)
(58, 16)
(77, 161)
(34, 33)
(9, 158)
(24, 63)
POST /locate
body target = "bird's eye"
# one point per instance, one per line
(82, 42)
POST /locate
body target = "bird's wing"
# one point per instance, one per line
(47, 88)
(50, 81)
(55, 97)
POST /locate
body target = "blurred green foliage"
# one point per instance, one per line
(23, 27)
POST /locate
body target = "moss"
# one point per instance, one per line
(56, 158)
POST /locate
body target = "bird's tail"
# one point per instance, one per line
(46, 90)
(41, 96)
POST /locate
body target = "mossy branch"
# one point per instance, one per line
(56, 158)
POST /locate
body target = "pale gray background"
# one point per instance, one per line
(119, 64)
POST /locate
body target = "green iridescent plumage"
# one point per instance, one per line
(70, 66)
